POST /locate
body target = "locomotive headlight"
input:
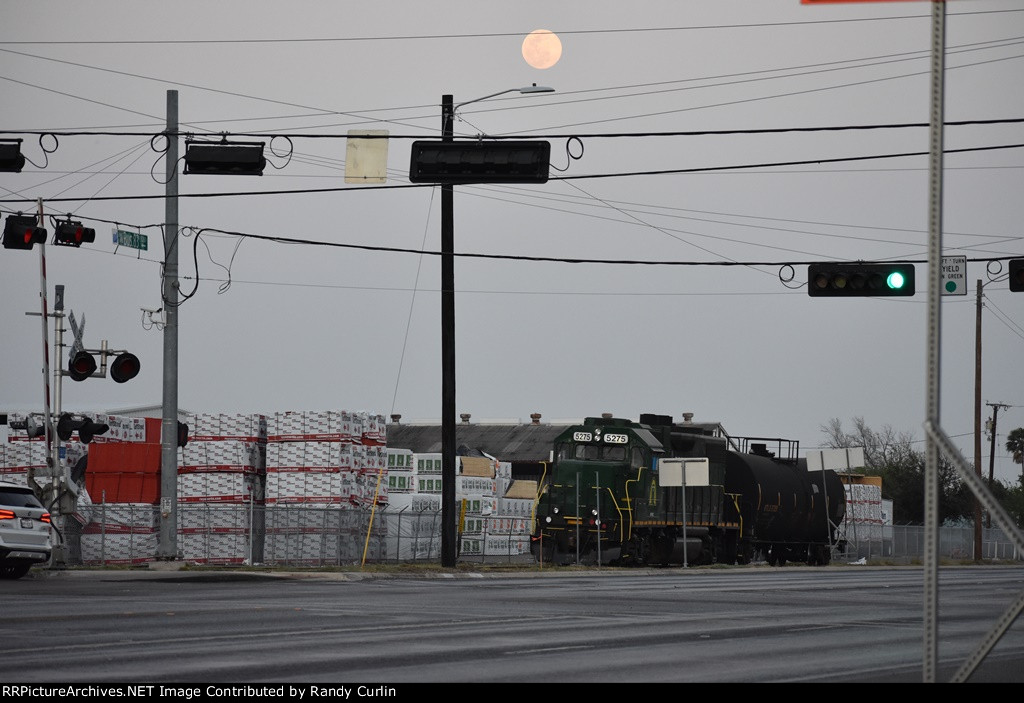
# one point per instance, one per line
(555, 510)
(593, 512)
(547, 519)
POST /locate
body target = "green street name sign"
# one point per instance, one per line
(132, 240)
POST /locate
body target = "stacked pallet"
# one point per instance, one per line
(321, 465)
(220, 487)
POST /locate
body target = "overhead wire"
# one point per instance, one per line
(479, 35)
(617, 174)
(314, 160)
(820, 67)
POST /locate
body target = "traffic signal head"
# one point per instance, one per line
(225, 158)
(82, 366)
(21, 232)
(860, 280)
(68, 424)
(480, 162)
(11, 158)
(125, 367)
(1017, 275)
(73, 234)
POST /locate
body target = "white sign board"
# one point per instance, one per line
(954, 275)
(835, 459)
(697, 472)
(366, 156)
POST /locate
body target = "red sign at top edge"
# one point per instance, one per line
(822, 2)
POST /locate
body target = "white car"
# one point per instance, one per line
(24, 531)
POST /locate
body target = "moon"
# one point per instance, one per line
(542, 48)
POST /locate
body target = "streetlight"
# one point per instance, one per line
(448, 512)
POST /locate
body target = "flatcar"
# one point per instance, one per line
(655, 492)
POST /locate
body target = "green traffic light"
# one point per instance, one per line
(895, 280)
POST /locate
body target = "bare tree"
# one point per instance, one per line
(891, 455)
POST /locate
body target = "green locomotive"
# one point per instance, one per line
(656, 492)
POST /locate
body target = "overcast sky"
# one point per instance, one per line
(640, 87)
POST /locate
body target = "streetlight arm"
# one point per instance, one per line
(486, 97)
(524, 90)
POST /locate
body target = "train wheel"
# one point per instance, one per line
(776, 555)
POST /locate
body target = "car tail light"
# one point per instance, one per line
(6, 514)
(45, 517)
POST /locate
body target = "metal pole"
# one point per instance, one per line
(47, 424)
(448, 522)
(933, 356)
(579, 519)
(597, 504)
(168, 545)
(685, 545)
(58, 371)
(58, 345)
(977, 423)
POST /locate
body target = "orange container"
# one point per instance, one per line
(123, 487)
(124, 457)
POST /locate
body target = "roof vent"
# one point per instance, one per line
(396, 418)
(687, 417)
(465, 418)
(607, 416)
(535, 417)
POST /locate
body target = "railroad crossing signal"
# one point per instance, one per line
(853, 280)
(22, 232)
(82, 363)
(68, 424)
(73, 234)
(33, 426)
(125, 367)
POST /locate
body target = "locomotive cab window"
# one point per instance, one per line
(587, 451)
(564, 451)
(637, 458)
(615, 453)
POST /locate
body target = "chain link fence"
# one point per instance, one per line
(289, 535)
(906, 543)
(340, 535)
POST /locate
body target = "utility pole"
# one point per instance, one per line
(992, 449)
(977, 425)
(167, 547)
(449, 524)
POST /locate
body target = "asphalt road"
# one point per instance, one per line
(742, 625)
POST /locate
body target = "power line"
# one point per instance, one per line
(621, 174)
(547, 259)
(578, 135)
(485, 35)
(819, 67)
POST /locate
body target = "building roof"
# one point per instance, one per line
(505, 442)
(519, 442)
